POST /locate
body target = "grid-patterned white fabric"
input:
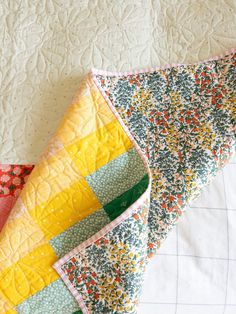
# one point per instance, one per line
(195, 269)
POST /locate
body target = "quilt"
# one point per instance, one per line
(132, 150)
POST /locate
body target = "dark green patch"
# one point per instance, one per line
(11, 187)
(122, 202)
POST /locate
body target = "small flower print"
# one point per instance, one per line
(16, 181)
(5, 168)
(16, 170)
(6, 191)
(4, 178)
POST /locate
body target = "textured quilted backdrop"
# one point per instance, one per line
(46, 49)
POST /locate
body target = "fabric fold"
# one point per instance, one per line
(132, 150)
(90, 179)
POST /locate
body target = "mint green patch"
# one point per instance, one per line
(53, 299)
(117, 177)
(72, 237)
(121, 203)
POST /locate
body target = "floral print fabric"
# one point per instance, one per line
(184, 120)
(109, 273)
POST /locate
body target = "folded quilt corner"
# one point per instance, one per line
(131, 151)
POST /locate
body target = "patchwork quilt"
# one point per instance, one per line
(133, 149)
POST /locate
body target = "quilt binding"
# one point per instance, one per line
(131, 209)
(126, 214)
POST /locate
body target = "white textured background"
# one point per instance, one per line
(46, 48)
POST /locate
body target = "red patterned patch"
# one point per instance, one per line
(12, 181)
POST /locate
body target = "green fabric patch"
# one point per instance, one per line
(78, 312)
(55, 298)
(81, 231)
(121, 203)
(117, 177)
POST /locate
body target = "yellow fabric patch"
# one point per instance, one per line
(99, 148)
(88, 112)
(48, 178)
(29, 275)
(20, 236)
(57, 195)
(65, 209)
(5, 307)
(11, 311)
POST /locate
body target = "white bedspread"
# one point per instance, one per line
(46, 48)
